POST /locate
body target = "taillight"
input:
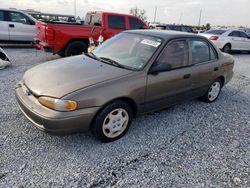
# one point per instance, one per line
(214, 38)
(50, 34)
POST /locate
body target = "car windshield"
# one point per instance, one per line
(132, 51)
(216, 32)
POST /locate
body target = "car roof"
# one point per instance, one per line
(165, 34)
(19, 11)
(10, 9)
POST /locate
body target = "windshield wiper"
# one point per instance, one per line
(113, 62)
(91, 54)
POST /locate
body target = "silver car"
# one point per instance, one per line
(16, 26)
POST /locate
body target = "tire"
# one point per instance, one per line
(106, 130)
(227, 48)
(75, 48)
(213, 91)
(61, 54)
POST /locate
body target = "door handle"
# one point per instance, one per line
(11, 25)
(186, 76)
(216, 68)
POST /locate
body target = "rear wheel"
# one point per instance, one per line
(76, 48)
(112, 122)
(227, 48)
(213, 91)
(62, 54)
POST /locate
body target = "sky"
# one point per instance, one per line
(215, 12)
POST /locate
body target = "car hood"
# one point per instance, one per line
(63, 76)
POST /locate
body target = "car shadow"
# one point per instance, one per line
(3, 45)
(158, 128)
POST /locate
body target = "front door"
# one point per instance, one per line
(236, 40)
(169, 87)
(20, 27)
(246, 40)
(4, 28)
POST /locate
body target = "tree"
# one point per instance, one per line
(140, 13)
(208, 26)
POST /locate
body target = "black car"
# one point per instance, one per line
(183, 28)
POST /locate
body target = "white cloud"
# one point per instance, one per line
(216, 12)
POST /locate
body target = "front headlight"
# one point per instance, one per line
(57, 104)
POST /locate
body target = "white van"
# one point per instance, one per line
(16, 26)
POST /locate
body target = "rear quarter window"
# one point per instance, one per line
(116, 22)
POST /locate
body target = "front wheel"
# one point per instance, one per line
(213, 91)
(112, 122)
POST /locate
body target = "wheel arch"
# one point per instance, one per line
(222, 78)
(85, 40)
(128, 100)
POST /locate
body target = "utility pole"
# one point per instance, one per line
(199, 24)
(75, 7)
(155, 14)
(180, 19)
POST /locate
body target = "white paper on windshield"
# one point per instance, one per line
(150, 42)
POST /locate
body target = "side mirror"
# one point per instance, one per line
(160, 67)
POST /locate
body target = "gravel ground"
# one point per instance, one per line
(193, 144)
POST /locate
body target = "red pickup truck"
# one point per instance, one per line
(67, 39)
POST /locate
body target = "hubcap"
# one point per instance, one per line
(214, 91)
(227, 49)
(115, 123)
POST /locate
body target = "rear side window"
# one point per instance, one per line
(116, 22)
(135, 23)
(175, 54)
(1, 15)
(18, 17)
(234, 34)
(202, 52)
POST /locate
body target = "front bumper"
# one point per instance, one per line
(53, 121)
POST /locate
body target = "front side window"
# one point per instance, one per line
(18, 17)
(135, 23)
(116, 22)
(1, 15)
(243, 35)
(175, 54)
(202, 52)
(130, 50)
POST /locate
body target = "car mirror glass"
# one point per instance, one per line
(160, 67)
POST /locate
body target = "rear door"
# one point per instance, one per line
(236, 40)
(21, 27)
(169, 87)
(4, 28)
(205, 66)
